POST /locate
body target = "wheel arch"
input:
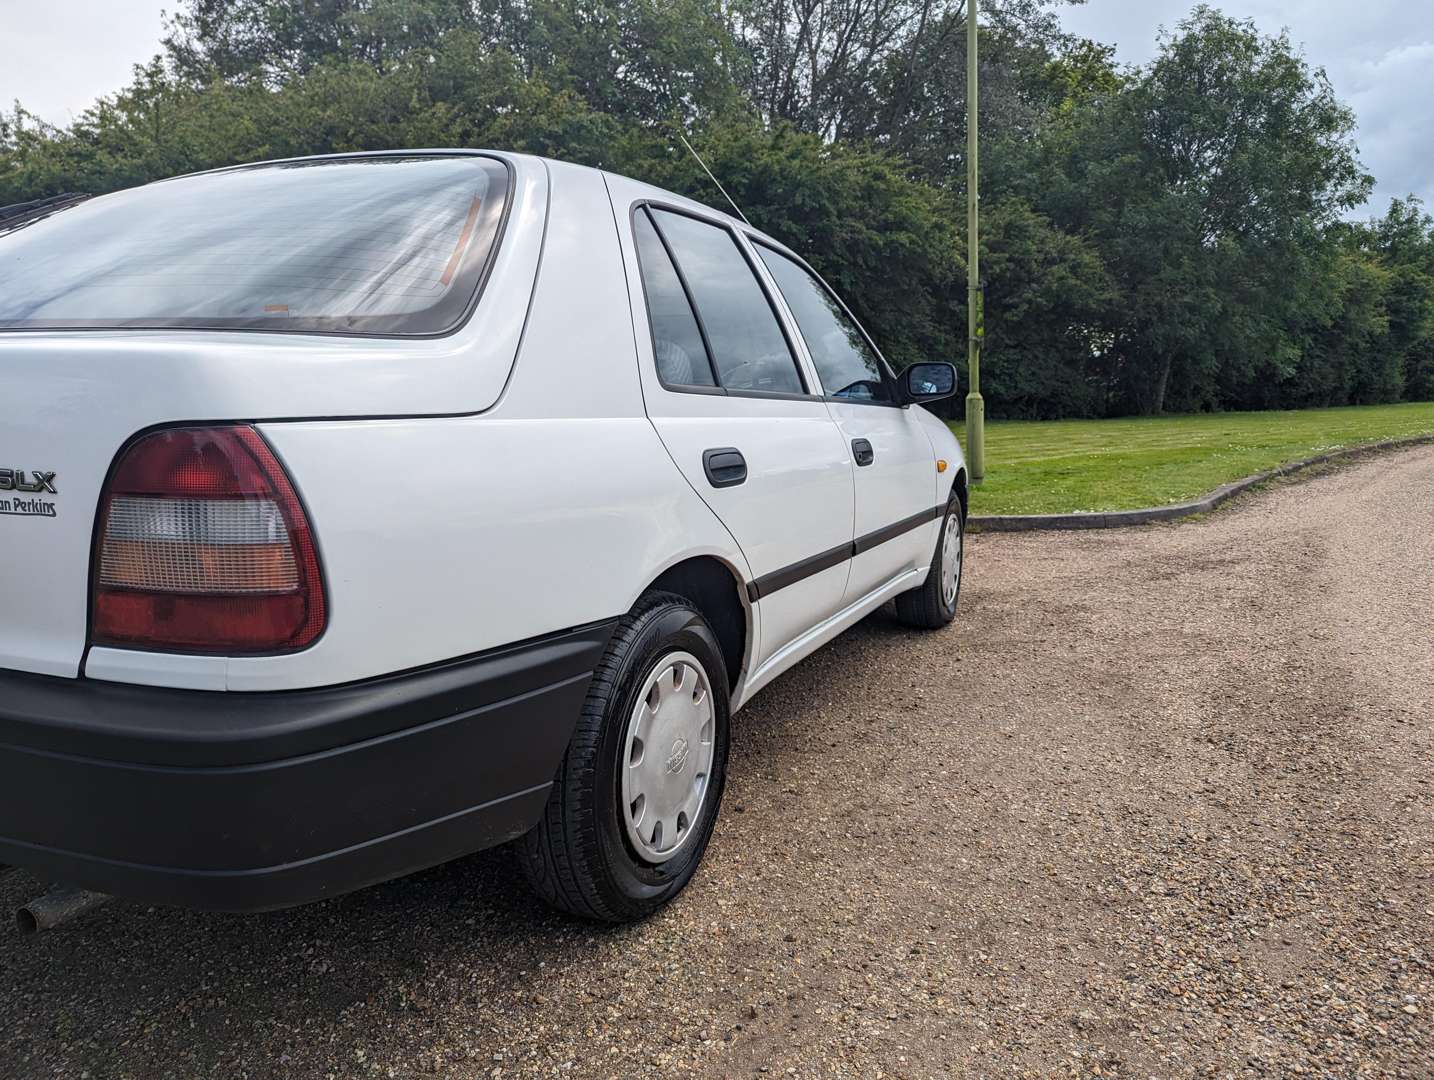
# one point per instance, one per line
(716, 589)
(959, 484)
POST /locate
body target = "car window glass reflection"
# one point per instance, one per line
(384, 244)
(849, 367)
(748, 347)
(676, 342)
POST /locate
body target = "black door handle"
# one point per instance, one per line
(725, 466)
(862, 451)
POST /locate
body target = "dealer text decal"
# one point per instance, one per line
(25, 484)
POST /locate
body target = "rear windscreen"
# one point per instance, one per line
(378, 245)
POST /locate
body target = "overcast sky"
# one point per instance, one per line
(62, 54)
(1379, 54)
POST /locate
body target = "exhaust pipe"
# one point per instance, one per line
(56, 908)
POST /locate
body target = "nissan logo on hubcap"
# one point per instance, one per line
(678, 758)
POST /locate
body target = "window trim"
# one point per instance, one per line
(480, 286)
(889, 376)
(758, 275)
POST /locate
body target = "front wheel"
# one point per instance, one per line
(635, 800)
(932, 604)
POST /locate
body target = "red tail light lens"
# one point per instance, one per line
(204, 547)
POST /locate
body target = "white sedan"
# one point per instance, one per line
(361, 512)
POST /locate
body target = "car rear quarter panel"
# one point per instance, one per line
(446, 536)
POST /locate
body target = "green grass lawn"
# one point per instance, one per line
(1051, 467)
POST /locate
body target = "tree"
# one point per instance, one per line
(1208, 185)
(1048, 301)
(1403, 240)
(640, 60)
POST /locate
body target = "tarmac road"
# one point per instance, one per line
(1159, 803)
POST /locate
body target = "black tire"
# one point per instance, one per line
(924, 607)
(578, 857)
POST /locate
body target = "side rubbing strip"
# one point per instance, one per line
(767, 584)
(891, 532)
(790, 575)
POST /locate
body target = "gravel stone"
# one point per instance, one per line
(1158, 804)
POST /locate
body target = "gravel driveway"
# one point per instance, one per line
(1158, 804)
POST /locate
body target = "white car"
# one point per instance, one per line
(361, 512)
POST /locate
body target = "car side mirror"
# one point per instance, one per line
(928, 382)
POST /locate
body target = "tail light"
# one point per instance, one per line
(204, 547)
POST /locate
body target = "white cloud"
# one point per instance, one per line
(1392, 95)
(1379, 55)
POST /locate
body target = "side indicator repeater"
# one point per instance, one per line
(940, 465)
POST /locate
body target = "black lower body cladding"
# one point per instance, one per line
(255, 801)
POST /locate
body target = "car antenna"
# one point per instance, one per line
(714, 179)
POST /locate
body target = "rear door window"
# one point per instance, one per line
(364, 245)
(677, 343)
(748, 349)
(846, 362)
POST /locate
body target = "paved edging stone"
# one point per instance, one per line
(1115, 519)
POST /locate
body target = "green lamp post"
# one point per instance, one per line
(975, 322)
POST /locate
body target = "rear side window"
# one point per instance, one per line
(676, 340)
(748, 349)
(378, 245)
(847, 364)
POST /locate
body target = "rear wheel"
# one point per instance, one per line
(932, 604)
(636, 798)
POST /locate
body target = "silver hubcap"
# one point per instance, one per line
(951, 559)
(667, 757)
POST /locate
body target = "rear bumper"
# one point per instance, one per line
(255, 801)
